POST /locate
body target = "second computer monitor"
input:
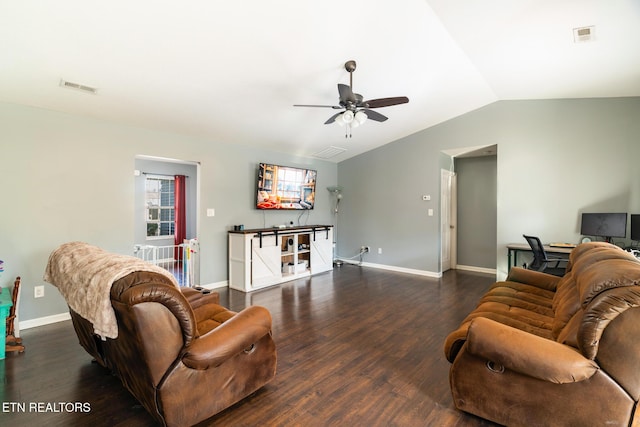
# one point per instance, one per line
(635, 227)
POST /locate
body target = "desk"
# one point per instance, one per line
(514, 248)
(5, 305)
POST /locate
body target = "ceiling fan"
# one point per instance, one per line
(356, 110)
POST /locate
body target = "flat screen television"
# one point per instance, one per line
(635, 227)
(284, 187)
(605, 225)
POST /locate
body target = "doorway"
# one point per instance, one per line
(155, 213)
(469, 242)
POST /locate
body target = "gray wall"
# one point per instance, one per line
(70, 178)
(67, 178)
(557, 158)
(477, 211)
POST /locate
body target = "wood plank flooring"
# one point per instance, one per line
(356, 347)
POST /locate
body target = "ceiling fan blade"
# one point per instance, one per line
(332, 118)
(335, 107)
(386, 102)
(346, 94)
(375, 116)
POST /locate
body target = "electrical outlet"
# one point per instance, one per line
(379, 251)
(364, 249)
(38, 291)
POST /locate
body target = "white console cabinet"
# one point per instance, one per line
(267, 256)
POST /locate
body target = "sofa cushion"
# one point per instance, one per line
(566, 303)
(516, 304)
(579, 251)
(211, 316)
(522, 306)
(594, 254)
(569, 333)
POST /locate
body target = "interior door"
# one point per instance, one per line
(448, 235)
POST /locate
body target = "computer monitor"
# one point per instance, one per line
(605, 225)
(635, 227)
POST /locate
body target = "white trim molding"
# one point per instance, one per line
(216, 285)
(55, 318)
(425, 273)
(477, 269)
(42, 321)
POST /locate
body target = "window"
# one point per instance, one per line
(289, 184)
(160, 210)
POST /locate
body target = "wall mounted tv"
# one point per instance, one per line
(605, 225)
(284, 187)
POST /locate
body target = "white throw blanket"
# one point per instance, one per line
(84, 274)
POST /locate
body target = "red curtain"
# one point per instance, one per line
(180, 214)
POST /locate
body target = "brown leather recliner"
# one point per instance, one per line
(184, 357)
(541, 350)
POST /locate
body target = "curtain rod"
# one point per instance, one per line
(162, 174)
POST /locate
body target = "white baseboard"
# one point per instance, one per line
(216, 285)
(476, 269)
(42, 321)
(395, 268)
(55, 318)
(425, 273)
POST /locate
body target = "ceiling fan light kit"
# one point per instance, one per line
(347, 116)
(356, 110)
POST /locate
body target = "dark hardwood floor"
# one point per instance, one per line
(356, 347)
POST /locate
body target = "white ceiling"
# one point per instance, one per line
(231, 71)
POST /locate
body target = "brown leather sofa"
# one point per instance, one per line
(183, 356)
(541, 350)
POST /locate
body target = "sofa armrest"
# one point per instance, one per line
(534, 278)
(228, 339)
(526, 353)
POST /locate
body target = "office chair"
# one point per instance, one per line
(543, 262)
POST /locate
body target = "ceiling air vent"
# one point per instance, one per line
(329, 152)
(584, 34)
(78, 86)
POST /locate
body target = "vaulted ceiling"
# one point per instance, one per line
(231, 71)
